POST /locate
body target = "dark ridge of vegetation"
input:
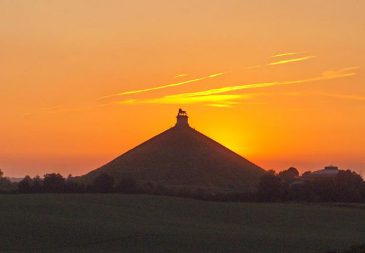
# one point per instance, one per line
(346, 186)
(6, 186)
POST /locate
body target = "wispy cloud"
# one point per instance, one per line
(327, 75)
(351, 97)
(216, 97)
(226, 105)
(226, 99)
(332, 74)
(161, 86)
(284, 54)
(65, 109)
(54, 109)
(322, 94)
(225, 89)
(181, 75)
(341, 96)
(285, 61)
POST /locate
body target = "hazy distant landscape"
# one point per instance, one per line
(140, 223)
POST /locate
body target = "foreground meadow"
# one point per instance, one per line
(141, 223)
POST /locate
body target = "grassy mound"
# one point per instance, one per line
(182, 156)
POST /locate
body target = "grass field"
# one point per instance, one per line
(139, 223)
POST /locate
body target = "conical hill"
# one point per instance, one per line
(182, 156)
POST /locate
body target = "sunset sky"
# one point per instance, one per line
(280, 82)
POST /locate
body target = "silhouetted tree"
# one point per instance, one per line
(37, 186)
(72, 186)
(325, 189)
(349, 186)
(54, 183)
(346, 186)
(289, 174)
(5, 184)
(103, 183)
(25, 185)
(307, 173)
(270, 187)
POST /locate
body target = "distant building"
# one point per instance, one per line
(328, 172)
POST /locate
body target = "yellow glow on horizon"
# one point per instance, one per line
(229, 136)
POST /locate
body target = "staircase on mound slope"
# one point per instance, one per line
(182, 156)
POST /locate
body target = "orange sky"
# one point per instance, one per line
(279, 82)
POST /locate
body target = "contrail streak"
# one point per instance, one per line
(291, 60)
(162, 86)
(180, 75)
(215, 96)
(211, 99)
(284, 54)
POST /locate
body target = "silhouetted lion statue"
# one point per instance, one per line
(181, 111)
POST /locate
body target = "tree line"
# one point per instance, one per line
(56, 183)
(346, 186)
